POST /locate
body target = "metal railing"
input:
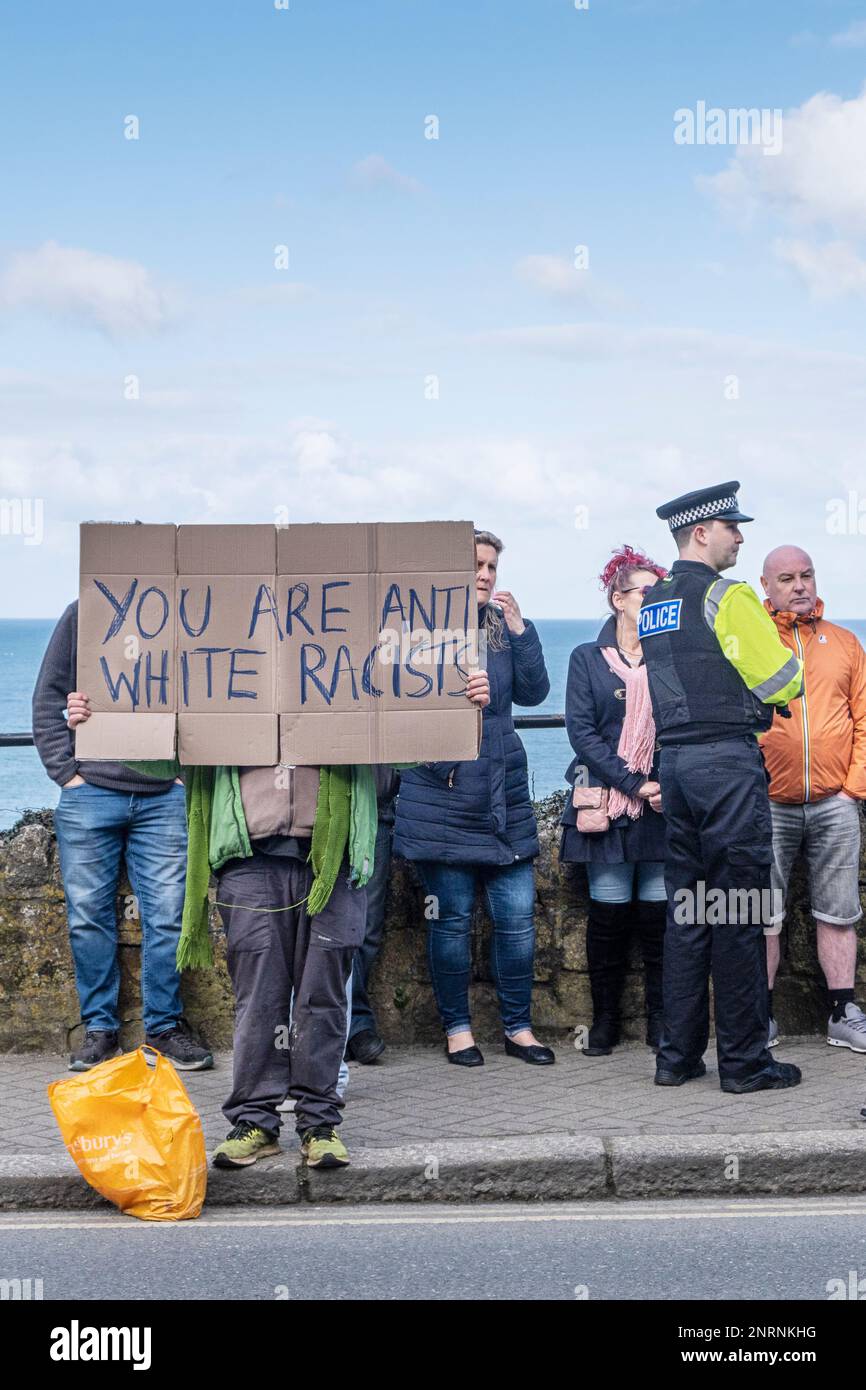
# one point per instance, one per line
(521, 721)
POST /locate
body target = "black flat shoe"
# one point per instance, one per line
(364, 1047)
(536, 1054)
(466, 1057)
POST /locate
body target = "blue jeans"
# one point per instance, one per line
(510, 896)
(95, 827)
(615, 883)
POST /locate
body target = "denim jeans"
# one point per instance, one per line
(510, 896)
(95, 829)
(615, 883)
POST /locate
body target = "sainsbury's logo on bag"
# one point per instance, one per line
(100, 1143)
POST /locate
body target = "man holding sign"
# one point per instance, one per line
(278, 665)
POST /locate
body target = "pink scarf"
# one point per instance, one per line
(637, 740)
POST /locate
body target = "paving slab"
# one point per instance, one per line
(420, 1130)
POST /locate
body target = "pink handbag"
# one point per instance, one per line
(591, 806)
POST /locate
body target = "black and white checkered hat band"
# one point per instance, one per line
(693, 514)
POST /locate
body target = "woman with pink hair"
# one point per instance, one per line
(612, 821)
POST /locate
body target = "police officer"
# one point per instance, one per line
(717, 670)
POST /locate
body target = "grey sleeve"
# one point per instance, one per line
(54, 742)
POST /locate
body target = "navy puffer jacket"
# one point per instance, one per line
(479, 812)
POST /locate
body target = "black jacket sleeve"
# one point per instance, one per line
(593, 751)
(530, 682)
(57, 677)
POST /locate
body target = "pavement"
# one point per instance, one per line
(421, 1130)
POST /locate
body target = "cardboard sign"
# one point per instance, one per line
(252, 645)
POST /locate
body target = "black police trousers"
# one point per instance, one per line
(717, 875)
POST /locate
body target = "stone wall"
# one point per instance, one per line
(39, 1006)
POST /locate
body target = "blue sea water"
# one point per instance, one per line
(24, 785)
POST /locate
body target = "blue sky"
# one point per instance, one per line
(717, 332)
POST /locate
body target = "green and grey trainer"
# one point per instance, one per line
(323, 1149)
(244, 1145)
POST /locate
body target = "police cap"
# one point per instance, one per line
(717, 503)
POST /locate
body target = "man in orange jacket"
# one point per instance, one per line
(817, 766)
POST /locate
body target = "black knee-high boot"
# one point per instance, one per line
(651, 927)
(608, 929)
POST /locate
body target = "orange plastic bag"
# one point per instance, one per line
(135, 1135)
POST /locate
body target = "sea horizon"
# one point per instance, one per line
(25, 785)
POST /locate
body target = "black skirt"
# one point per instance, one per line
(626, 842)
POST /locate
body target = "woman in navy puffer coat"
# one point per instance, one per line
(471, 823)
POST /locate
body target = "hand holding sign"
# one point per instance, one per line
(478, 689)
(77, 708)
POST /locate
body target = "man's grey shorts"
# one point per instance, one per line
(828, 835)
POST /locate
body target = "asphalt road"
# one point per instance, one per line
(748, 1249)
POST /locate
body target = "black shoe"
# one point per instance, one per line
(665, 1076)
(603, 1037)
(177, 1045)
(654, 1031)
(97, 1047)
(466, 1057)
(533, 1052)
(777, 1077)
(364, 1047)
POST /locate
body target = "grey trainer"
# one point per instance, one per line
(773, 1035)
(850, 1030)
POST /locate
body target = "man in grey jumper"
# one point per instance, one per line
(108, 812)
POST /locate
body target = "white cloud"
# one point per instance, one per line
(802, 38)
(554, 274)
(119, 297)
(374, 171)
(852, 37)
(829, 271)
(560, 278)
(525, 488)
(667, 348)
(818, 178)
(279, 295)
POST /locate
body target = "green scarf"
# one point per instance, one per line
(194, 949)
(330, 833)
(346, 821)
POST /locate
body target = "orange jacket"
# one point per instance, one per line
(821, 749)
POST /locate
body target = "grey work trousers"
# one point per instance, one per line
(270, 953)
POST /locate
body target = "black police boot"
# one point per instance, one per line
(778, 1076)
(651, 928)
(607, 939)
